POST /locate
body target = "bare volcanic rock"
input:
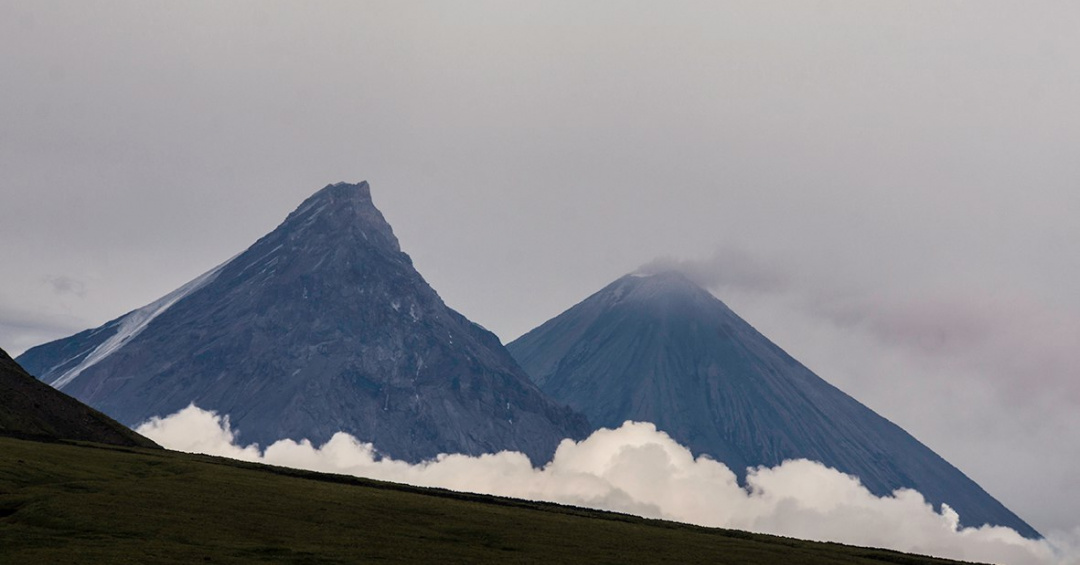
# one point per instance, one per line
(321, 326)
(661, 349)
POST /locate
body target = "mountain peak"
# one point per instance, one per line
(656, 347)
(667, 281)
(337, 194)
(323, 325)
(662, 289)
(341, 212)
(359, 191)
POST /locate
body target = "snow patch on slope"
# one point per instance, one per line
(133, 324)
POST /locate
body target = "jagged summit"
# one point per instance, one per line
(342, 212)
(359, 192)
(323, 325)
(334, 197)
(360, 189)
(659, 348)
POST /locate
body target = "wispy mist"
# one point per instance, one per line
(947, 360)
(639, 470)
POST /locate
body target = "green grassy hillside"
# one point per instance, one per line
(32, 409)
(82, 503)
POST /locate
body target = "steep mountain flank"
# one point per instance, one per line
(659, 348)
(321, 326)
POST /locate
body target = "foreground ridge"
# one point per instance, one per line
(107, 505)
(32, 409)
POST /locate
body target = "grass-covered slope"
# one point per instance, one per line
(30, 408)
(66, 503)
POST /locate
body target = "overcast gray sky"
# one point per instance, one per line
(887, 189)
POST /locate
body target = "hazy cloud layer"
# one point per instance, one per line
(949, 362)
(727, 267)
(21, 329)
(638, 470)
(1014, 337)
(66, 285)
(898, 180)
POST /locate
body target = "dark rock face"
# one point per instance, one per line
(661, 349)
(321, 326)
(30, 409)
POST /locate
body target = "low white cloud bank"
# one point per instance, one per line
(638, 470)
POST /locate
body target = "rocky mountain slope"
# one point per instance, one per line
(659, 348)
(321, 326)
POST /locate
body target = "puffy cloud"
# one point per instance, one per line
(639, 470)
(198, 431)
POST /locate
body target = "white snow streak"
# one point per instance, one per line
(133, 324)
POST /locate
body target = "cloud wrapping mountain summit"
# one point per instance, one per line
(656, 347)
